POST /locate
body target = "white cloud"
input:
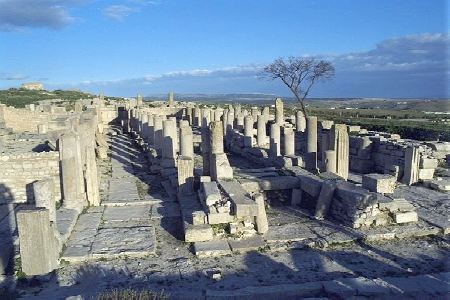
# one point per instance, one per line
(20, 14)
(119, 12)
(9, 76)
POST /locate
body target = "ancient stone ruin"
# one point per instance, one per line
(118, 178)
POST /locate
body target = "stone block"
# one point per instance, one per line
(212, 248)
(219, 218)
(210, 192)
(353, 195)
(440, 185)
(248, 244)
(426, 174)
(405, 217)
(311, 184)
(325, 198)
(242, 205)
(220, 167)
(379, 183)
(197, 233)
(279, 183)
(39, 243)
(396, 205)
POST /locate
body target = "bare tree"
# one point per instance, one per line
(299, 74)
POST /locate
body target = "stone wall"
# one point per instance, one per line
(20, 120)
(18, 172)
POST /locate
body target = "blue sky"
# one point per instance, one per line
(389, 48)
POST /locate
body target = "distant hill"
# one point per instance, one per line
(21, 97)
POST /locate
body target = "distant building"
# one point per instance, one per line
(37, 86)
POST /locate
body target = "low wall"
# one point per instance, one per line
(20, 120)
(18, 172)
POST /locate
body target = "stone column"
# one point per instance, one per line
(158, 129)
(169, 139)
(262, 225)
(170, 100)
(255, 113)
(289, 142)
(139, 100)
(92, 186)
(71, 171)
(311, 143)
(212, 114)
(197, 117)
(151, 129)
(411, 171)
(186, 141)
(240, 122)
(275, 140)
(206, 116)
(340, 143)
(279, 111)
(44, 196)
(248, 131)
(216, 138)
(206, 150)
(230, 121)
(261, 131)
(189, 115)
(300, 121)
(330, 161)
(39, 243)
(225, 121)
(144, 126)
(220, 167)
(266, 112)
(185, 169)
(217, 114)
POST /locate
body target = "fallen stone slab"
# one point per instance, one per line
(212, 248)
(125, 213)
(369, 287)
(289, 232)
(244, 245)
(134, 241)
(278, 183)
(242, 205)
(435, 219)
(440, 185)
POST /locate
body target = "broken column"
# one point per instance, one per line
(220, 167)
(197, 117)
(206, 150)
(262, 225)
(289, 142)
(169, 139)
(170, 100)
(300, 121)
(340, 144)
(158, 129)
(248, 131)
(411, 171)
(186, 141)
(39, 243)
(275, 138)
(279, 111)
(44, 196)
(185, 169)
(71, 171)
(151, 129)
(311, 143)
(261, 131)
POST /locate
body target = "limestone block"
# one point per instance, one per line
(212, 248)
(44, 196)
(242, 205)
(219, 217)
(279, 183)
(210, 192)
(197, 233)
(426, 174)
(405, 217)
(220, 167)
(379, 183)
(428, 163)
(39, 244)
(353, 195)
